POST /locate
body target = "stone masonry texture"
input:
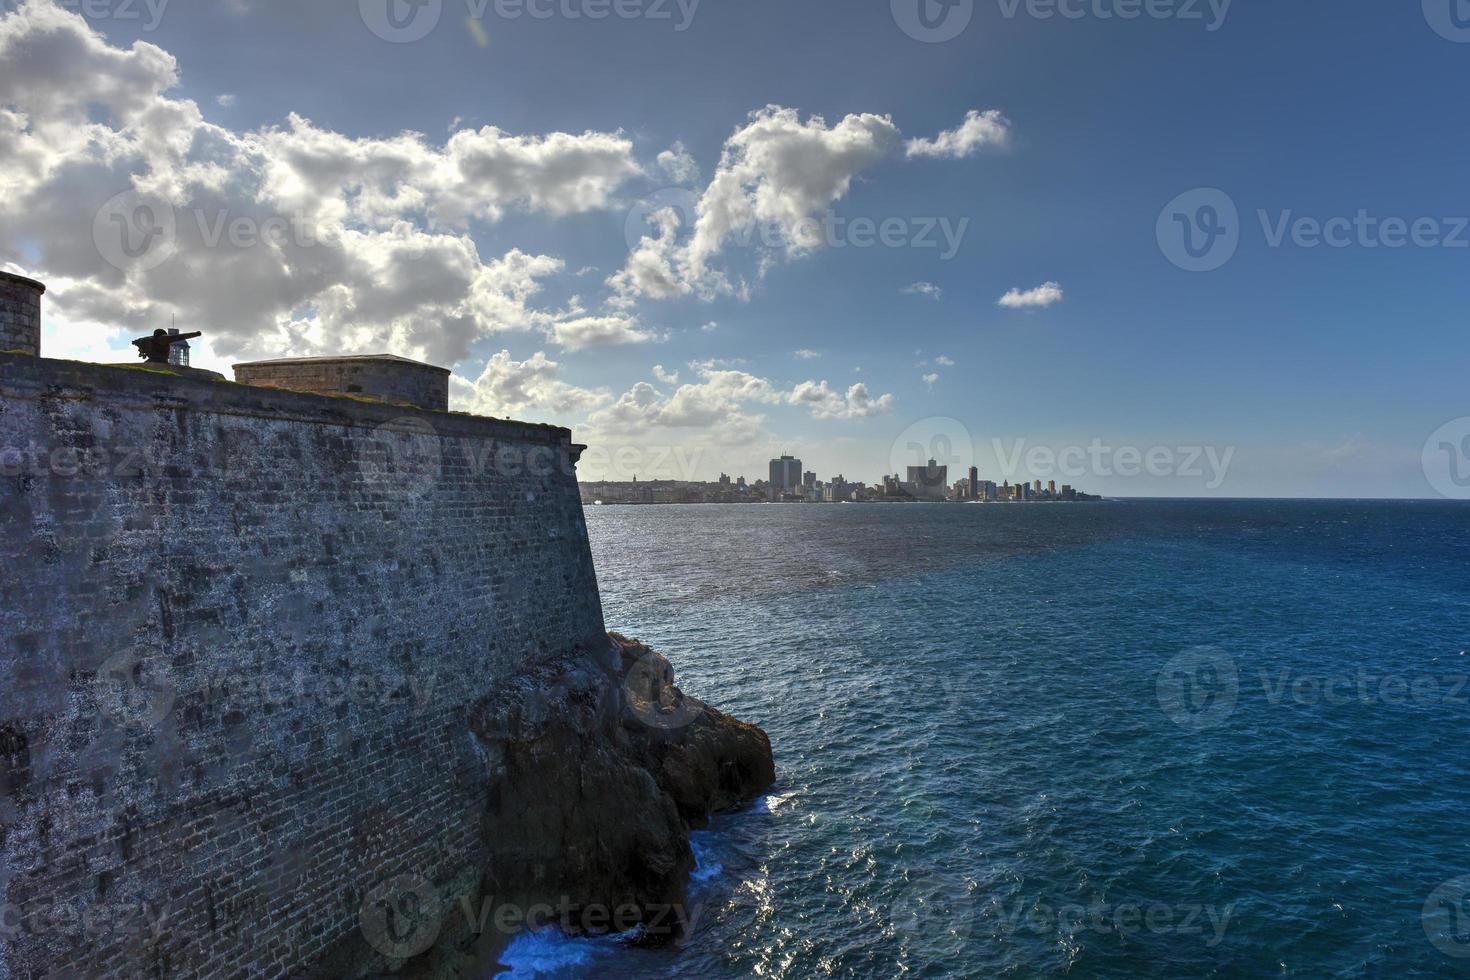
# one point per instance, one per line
(391, 379)
(242, 629)
(20, 314)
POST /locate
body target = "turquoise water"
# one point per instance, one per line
(1130, 739)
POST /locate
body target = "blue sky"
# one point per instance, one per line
(1315, 370)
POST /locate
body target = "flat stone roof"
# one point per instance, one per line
(390, 358)
(22, 280)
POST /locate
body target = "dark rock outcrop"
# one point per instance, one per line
(599, 766)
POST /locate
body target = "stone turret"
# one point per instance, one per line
(20, 314)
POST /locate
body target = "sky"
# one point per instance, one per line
(1174, 247)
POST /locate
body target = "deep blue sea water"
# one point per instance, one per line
(1126, 739)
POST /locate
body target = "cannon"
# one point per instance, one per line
(155, 349)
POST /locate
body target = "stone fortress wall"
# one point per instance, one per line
(240, 629)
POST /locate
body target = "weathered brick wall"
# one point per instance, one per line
(391, 379)
(20, 313)
(240, 631)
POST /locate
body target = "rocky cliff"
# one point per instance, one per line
(598, 767)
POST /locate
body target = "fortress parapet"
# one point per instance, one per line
(384, 377)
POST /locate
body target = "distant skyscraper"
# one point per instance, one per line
(1051, 487)
(785, 475)
(928, 482)
(974, 483)
(809, 479)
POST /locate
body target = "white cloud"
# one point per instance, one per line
(944, 361)
(227, 100)
(678, 164)
(930, 379)
(780, 171)
(776, 175)
(979, 131)
(508, 387)
(805, 355)
(716, 405)
(924, 289)
(666, 376)
(596, 331)
(1042, 296)
(363, 243)
(710, 327)
(824, 403)
(723, 406)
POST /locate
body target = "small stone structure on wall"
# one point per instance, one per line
(20, 314)
(384, 377)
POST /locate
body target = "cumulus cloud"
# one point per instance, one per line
(726, 404)
(980, 131)
(944, 361)
(596, 331)
(510, 387)
(349, 244)
(664, 375)
(824, 403)
(924, 289)
(1047, 294)
(930, 379)
(805, 355)
(717, 404)
(776, 176)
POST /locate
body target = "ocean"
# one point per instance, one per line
(1123, 739)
